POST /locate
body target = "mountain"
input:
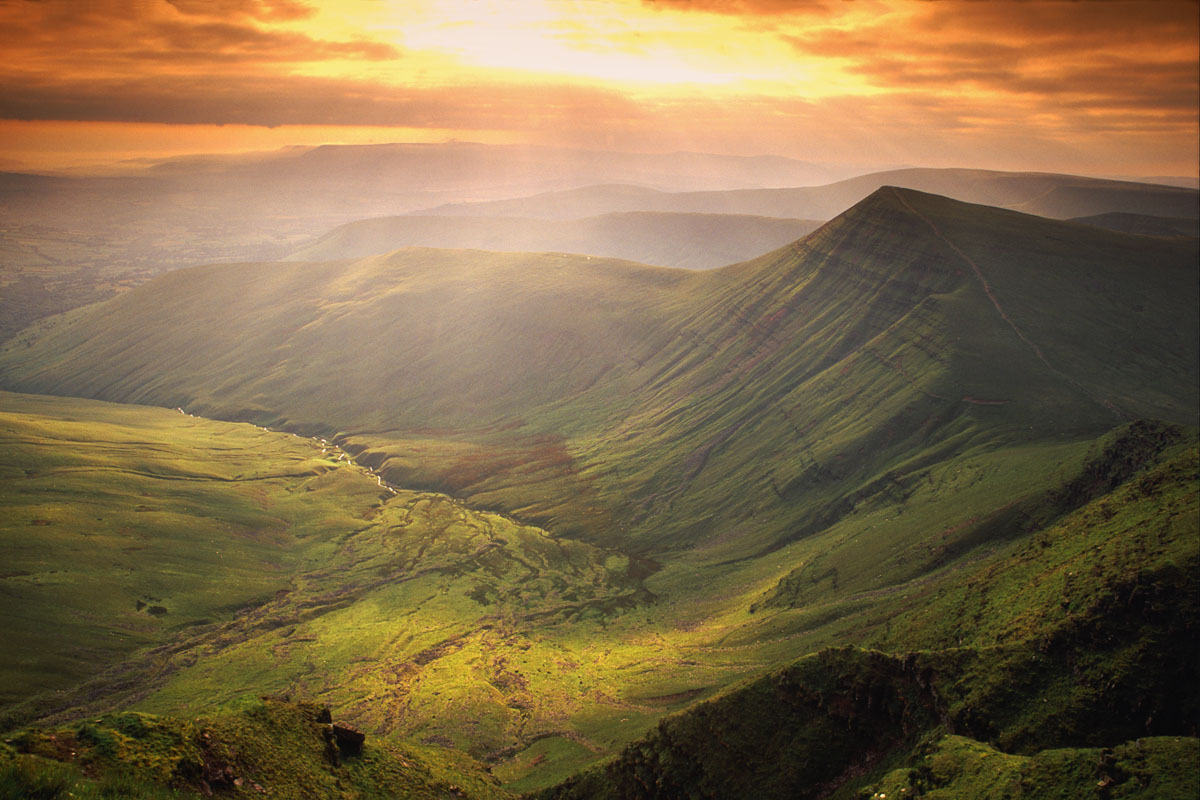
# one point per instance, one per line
(691, 241)
(1048, 195)
(673, 393)
(468, 166)
(926, 426)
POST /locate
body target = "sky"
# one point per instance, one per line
(1088, 86)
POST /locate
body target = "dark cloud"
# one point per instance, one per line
(224, 41)
(744, 7)
(265, 10)
(295, 100)
(67, 36)
(1056, 57)
(1078, 23)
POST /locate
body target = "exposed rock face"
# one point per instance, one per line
(349, 741)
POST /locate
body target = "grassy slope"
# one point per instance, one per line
(810, 444)
(691, 241)
(535, 654)
(591, 396)
(125, 525)
(1079, 637)
(233, 561)
(265, 747)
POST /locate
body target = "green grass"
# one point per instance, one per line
(1160, 768)
(1076, 637)
(124, 526)
(420, 619)
(266, 747)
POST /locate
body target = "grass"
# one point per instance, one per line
(420, 619)
(1047, 672)
(124, 526)
(265, 747)
(1152, 768)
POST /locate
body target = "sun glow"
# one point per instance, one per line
(604, 41)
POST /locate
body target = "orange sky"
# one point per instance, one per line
(1096, 87)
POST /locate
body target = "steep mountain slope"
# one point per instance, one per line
(1082, 637)
(1049, 195)
(691, 241)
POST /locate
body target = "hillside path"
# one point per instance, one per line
(987, 290)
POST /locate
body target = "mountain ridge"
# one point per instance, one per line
(1043, 194)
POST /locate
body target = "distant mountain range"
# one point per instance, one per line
(691, 241)
(701, 230)
(1047, 195)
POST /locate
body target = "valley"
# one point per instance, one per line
(918, 484)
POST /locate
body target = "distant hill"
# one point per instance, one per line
(1144, 224)
(1048, 195)
(259, 199)
(691, 241)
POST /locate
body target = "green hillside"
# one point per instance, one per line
(158, 561)
(1030, 675)
(691, 241)
(622, 490)
(124, 525)
(265, 747)
(427, 621)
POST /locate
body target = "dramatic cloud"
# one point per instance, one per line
(812, 78)
(266, 10)
(744, 7)
(71, 41)
(292, 100)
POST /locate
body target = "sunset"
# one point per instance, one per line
(1104, 88)
(599, 399)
